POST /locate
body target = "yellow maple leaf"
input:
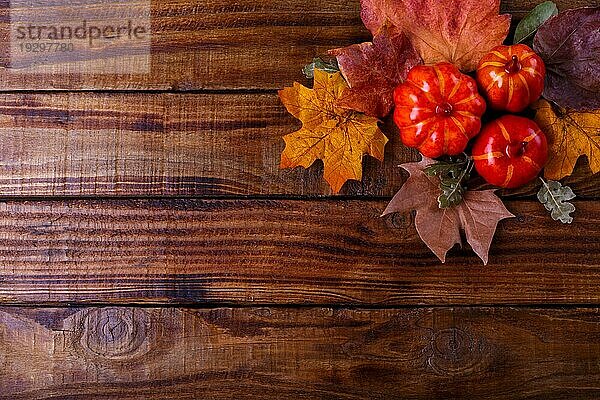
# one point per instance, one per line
(338, 136)
(570, 134)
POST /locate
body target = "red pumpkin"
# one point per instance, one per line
(512, 77)
(510, 151)
(438, 109)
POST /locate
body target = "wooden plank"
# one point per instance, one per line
(164, 144)
(283, 251)
(119, 144)
(220, 44)
(224, 44)
(316, 353)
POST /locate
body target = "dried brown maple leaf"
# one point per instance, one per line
(374, 69)
(570, 134)
(439, 228)
(338, 136)
(457, 31)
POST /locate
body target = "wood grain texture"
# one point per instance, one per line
(217, 44)
(117, 144)
(283, 252)
(162, 144)
(248, 252)
(313, 353)
(225, 44)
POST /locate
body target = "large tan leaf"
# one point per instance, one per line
(570, 135)
(338, 136)
(439, 228)
(457, 31)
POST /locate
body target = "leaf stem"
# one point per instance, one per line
(470, 164)
(467, 169)
(550, 192)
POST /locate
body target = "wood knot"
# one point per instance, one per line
(114, 333)
(454, 351)
(400, 221)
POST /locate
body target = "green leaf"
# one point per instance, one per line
(327, 64)
(554, 196)
(452, 194)
(452, 174)
(443, 168)
(529, 25)
(452, 168)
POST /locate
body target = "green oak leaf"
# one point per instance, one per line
(452, 174)
(452, 194)
(554, 196)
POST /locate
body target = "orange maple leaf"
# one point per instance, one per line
(338, 136)
(458, 31)
(570, 134)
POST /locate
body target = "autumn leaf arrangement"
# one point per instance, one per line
(484, 111)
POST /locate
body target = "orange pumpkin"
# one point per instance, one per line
(512, 77)
(438, 109)
(510, 151)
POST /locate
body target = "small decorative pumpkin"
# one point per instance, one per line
(510, 151)
(438, 109)
(512, 77)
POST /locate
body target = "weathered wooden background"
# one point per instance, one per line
(152, 249)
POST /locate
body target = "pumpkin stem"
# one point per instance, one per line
(513, 66)
(515, 150)
(444, 110)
